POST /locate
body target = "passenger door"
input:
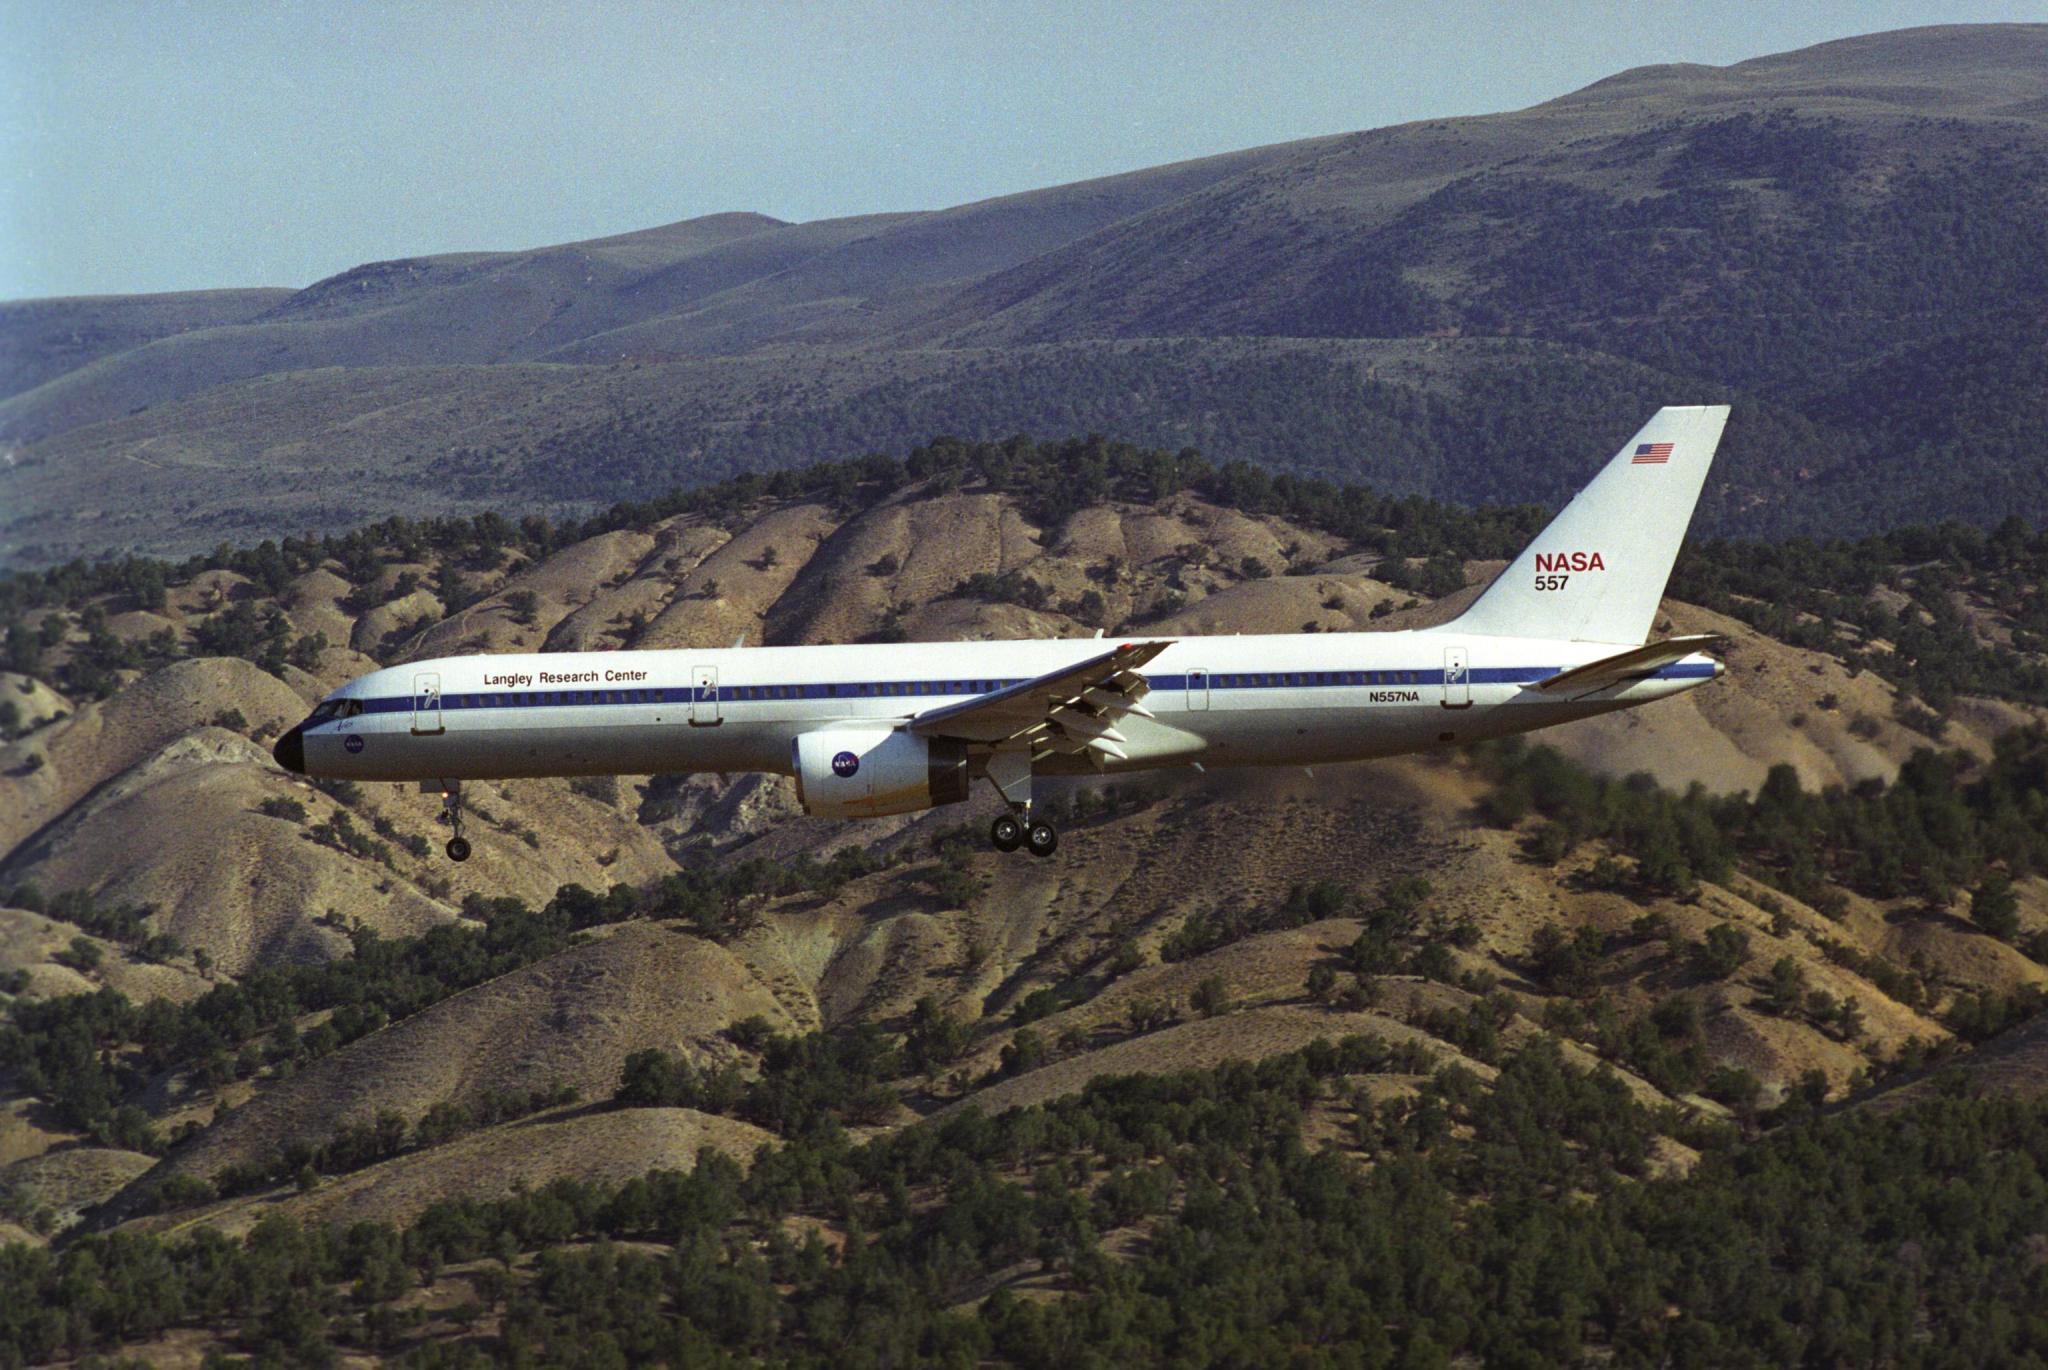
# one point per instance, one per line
(426, 702)
(1198, 689)
(1457, 679)
(704, 697)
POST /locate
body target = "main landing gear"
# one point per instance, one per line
(451, 814)
(1010, 772)
(1011, 831)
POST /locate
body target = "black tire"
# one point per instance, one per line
(1006, 833)
(1042, 838)
(458, 849)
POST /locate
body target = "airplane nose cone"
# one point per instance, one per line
(290, 751)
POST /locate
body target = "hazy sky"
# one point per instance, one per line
(156, 145)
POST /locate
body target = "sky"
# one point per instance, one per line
(153, 145)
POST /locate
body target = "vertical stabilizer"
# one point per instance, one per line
(1598, 571)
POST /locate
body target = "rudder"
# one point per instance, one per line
(1597, 573)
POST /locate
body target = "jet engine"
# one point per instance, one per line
(868, 772)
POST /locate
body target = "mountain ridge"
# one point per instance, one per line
(1794, 234)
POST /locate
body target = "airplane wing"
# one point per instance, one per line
(1632, 664)
(1073, 709)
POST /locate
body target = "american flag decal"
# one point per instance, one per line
(1651, 454)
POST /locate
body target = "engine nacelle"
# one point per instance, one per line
(868, 772)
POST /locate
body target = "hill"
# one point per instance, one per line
(242, 1004)
(1845, 242)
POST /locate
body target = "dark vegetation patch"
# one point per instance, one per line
(1492, 1223)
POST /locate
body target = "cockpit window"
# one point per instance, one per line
(324, 710)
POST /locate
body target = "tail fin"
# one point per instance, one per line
(1597, 572)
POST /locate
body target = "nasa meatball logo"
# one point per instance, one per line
(845, 764)
(354, 744)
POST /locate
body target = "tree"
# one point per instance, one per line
(1994, 907)
(936, 1038)
(1149, 1015)
(83, 955)
(1210, 998)
(1026, 1052)
(1787, 988)
(1434, 961)
(1720, 954)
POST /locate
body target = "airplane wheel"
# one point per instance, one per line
(458, 849)
(1006, 833)
(1042, 838)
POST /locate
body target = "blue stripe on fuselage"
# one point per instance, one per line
(1219, 681)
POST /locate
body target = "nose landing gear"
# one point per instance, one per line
(451, 814)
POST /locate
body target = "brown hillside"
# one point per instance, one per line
(163, 775)
(590, 1146)
(570, 1020)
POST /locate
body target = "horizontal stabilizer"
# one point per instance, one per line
(1632, 664)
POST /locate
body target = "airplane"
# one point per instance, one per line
(871, 730)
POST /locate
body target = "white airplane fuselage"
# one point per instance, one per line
(1299, 699)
